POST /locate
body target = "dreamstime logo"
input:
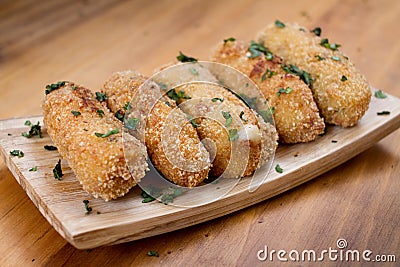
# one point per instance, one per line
(330, 254)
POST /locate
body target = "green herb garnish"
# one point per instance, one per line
(241, 116)
(74, 87)
(177, 95)
(256, 49)
(317, 31)
(192, 121)
(107, 134)
(268, 72)
(380, 94)
(303, 75)
(320, 58)
(194, 71)
(163, 86)
(53, 86)
(17, 153)
(152, 253)
(127, 106)
(57, 171)
(383, 113)
(325, 43)
(146, 197)
(33, 169)
(278, 168)
(228, 118)
(119, 115)
(87, 207)
(183, 58)
(344, 78)
(230, 39)
(171, 193)
(101, 97)
(50, 148)
(167, 103)
(215, 99)
(233, 134)
(336, 58)
(267, 114)
(282, 90)
(28, 123)
(100, 113)
(76, 113)
(131, 123)
(279, 24)
(35, 130)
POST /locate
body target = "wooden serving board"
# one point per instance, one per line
(128, 218)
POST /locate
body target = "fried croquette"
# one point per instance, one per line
(89, 137)
(295, 113)
(223, 121)
(183, 160)
(341, 92)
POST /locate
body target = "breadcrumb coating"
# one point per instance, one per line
(256, 141)
(340, 90)
(183, 160)
(296, 114)
(98, 163)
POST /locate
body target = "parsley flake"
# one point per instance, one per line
(319, 57)
(87, 207)
(230, 39)
(152, 253)
(119, 115)
(53, 86)
(168, 197)
(336, 58)
(101, 97)
(325, 43)
(303, 75)
(283, 90)
(344, 78)
(267, 114)
(107, 134)
(241, 116)
(76, 113)
(215, 99)
(100, 113)
(192, 121)
(233, 134)
(28, 123)
(177, 95)
(278, 168)
(268, 72)
(380, 94)
(132, 123)
(256, 49)
(33, 169)
(279, 24)
(50, 148)
(317, 31)
(35, 130)
(163, 86)
(228, 118)
(127, 106)
(57, 171)
(183, 58)
(17, 153)
(146, 197)
(383, 113)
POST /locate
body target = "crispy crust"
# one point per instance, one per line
(340, 102)
(253, 145)
(184, 160)
(99, 163)
(296, 114)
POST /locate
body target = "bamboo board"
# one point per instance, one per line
(128, 219)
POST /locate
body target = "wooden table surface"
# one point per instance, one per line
(84, 41)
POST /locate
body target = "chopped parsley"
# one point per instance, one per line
(127, 106)
(268, 73)
(256, 49)
(383, 113)
(334, 141)
(87, 207)
(230, 39)
(233, 134)
(131, 123)
(380, 94)
(177, 95)
(119, 115)
(28, 123)
(53, 86)
(100, 113)
(152, 253)
(183, 58)
(344, 78)
(250, 101)
(282, 90)
(167, 103)
(279, 24)
(74, 87)
(194, 71)
(107, 134)
(101, 97)
(317, 31)
(278, 168)
(320, 58)
(146, 197)
(50, 148)
(35, 130)
(215, 99)
(192, 121)
(33, 169)
(336, 58)
(171, 193)
(17, 153)
(163, 86)
(241, 116)
(303, 75)
(57, 171)
(325, 43)
(228, 118)
(76, 113)
(267, 114)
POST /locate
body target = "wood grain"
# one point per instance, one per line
(358, 200)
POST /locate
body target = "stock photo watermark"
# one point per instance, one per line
(338, 253)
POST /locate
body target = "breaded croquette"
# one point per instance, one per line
(222, 121)
(296, 114)
(183, 160)
(89, 137)
(341, 92)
